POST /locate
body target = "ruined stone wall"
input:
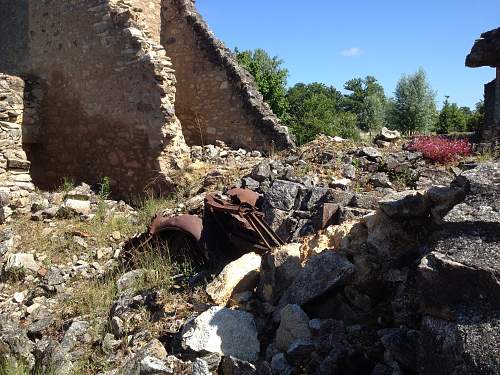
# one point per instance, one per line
(216, 99)
(104, 89)
(108, 93)
(496, 130)
(148, 14)
(15, 181)
(14, 35)
(491, 129)
(486, 52)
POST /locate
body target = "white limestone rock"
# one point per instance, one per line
(22, 261)
(294, 325)
(81, 207)
(223, 331)
(237, 277)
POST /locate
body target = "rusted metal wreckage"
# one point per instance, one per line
(232, 225)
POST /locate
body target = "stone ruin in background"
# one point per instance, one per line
(117, 88)
(486, 52)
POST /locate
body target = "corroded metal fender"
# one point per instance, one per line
(189, 224)
(236, 223)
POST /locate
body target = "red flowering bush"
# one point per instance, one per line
(439, 149)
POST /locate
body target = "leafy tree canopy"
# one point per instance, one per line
(477, 117)
(367, 100)
(270, 76)
(452, 118)
(414, 108)
(316, 108)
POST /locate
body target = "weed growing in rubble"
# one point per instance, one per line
(93, 297)
(67, 185)
(13, 366)
(104, 188)
(13, 275)
(158, 270)
(87, 366)
(487, 154)
(10, 366)
(150, 207)
(439, 149)
(356, 163)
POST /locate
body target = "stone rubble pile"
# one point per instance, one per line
(80, 201)
(296, 205)
(28, 312)
(375, 295)
(220, 153)
(383, 279)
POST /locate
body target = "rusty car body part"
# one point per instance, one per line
(241, 221)
(241, 196)
(235, 225)
(179, 237)
(189, 224)
(329, 214)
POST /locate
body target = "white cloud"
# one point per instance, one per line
(351, 52)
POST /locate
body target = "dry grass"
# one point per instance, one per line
(9, 366)
(12, 366)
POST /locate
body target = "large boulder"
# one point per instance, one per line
(223, 331)
(282, 195)
(390, 238)
(458, 282)
(380, 180)
(278, 270)
(388, 135)
(238, 276)
(371, 153)
(235, 366)
(262, 171)
(463, 266)
(320, 274)
(294, 324)
(470, 345)
(405, 205)
(316, 196)
(443, 199)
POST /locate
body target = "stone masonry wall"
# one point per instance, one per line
(108, 94)
(496, 130)
(100, 90)
(15, 181)
(148, 13)
(491, 129)
(216, 99)
(14, 35)
(486, 52)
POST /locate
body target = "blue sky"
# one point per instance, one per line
(332, 41)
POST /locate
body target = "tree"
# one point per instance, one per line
(367, 100)
(299, 95)
(452, 118)
(270, 76)
(476, 119)
(414, 107)
(316, 108)
(372, 116)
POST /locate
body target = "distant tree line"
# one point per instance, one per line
(311, 109)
